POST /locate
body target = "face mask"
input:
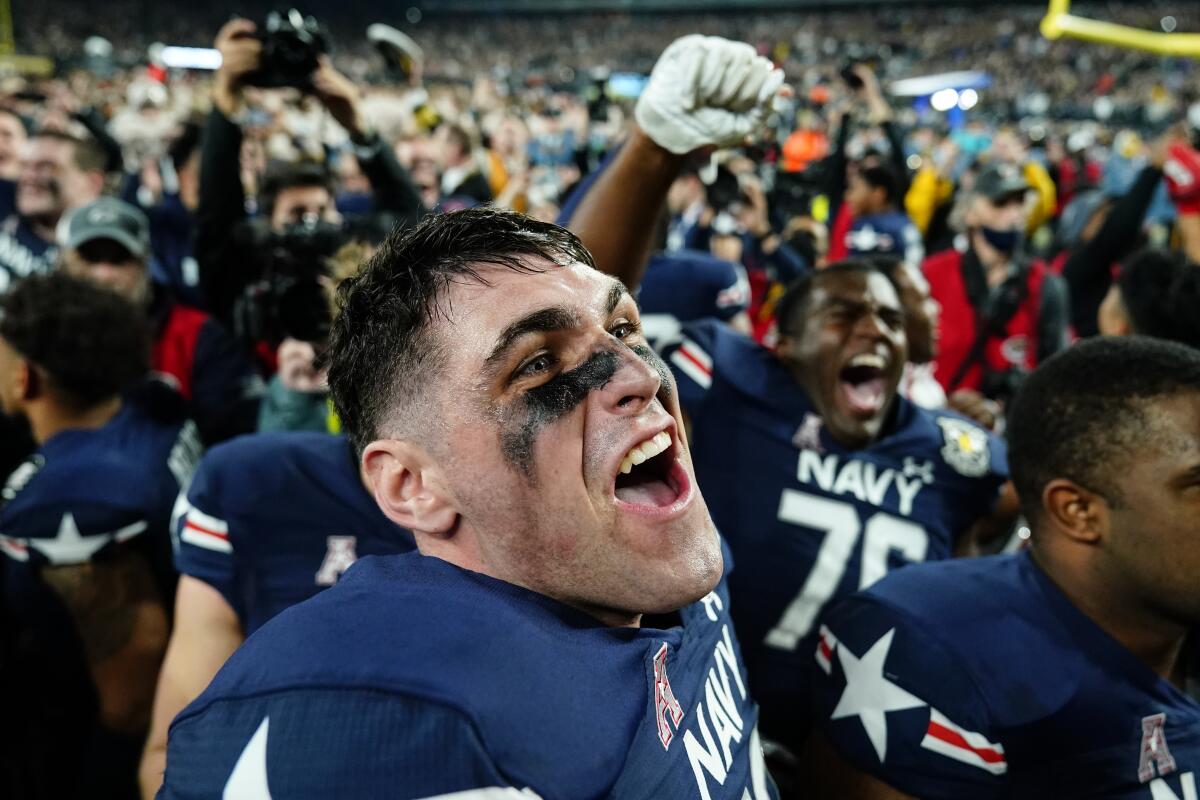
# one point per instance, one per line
(1004, 241)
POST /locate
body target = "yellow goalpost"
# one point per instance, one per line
(1059, 22)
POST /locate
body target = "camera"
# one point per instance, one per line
(290, 299)
(291, 45)
(725, 191)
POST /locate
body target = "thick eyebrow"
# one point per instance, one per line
(553, 318)
(616, 293)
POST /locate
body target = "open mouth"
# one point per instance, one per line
(650, 479)
(863, 384)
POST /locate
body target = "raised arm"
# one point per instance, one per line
(704, 92)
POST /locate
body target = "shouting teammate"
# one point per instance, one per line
(1055, 673)
(820, 477)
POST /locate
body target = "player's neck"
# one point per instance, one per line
(48, 420)
(464, 553)
(1154, 641)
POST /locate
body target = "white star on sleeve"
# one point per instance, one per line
(69, 547)
(868, 694)
(248, 781)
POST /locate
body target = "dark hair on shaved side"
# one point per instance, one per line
(794, 303)
(1081, 413)
(381, 355)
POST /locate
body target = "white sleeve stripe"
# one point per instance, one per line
(697, 354)
(969, 747)
(205, 539)
(689, 368)
(14, 548)
(207, 522)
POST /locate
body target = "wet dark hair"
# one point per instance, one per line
(794, 303)
(1081, 413)
(92, 343)
(382, 354)
(1161, 292)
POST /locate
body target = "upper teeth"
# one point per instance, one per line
(868, 360)
(645, 451)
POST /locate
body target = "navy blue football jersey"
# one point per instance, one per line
(414, 678)
(688, 285)
(22, 252)
(86, 492)
(809, 521)
(272, 519)
(979, 678)
(84, 497)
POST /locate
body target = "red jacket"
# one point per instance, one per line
(175, 347)
(1018, 347)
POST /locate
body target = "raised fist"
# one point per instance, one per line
(706, 91)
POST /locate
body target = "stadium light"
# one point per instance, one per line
(967, 99)
(925, 85)
(190, 57)
(944, 99)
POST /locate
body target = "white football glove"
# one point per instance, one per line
(705, 90)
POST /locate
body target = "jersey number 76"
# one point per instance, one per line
(881, 534)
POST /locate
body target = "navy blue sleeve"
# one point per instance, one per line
(226, 386)
(897, 704)
(321, 743)
(203, 542)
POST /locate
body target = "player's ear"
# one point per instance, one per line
(409, 487)
(28, 381)
(1077, 513)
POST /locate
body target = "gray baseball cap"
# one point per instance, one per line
(109, 218)
(999, 181)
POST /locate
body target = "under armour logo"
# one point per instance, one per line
(667, 710)
(340, 555)
(1154, 753)
(915, 469)
(808, 435)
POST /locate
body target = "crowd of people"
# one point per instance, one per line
(686, 388)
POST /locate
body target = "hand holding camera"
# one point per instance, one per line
(289, 51)
(340, 96)
(241, 51)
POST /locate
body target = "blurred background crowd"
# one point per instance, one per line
(223, 176)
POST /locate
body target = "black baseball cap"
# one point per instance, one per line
(108, 218)
(999, 181)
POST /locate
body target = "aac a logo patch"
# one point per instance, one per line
(965, 448)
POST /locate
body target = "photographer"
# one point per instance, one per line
(230, 260)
